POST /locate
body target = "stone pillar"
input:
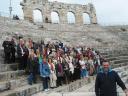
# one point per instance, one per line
(63, 16)
(47, 16)
(28, 14)
(79, 18)
(93, 18)
(93, 14)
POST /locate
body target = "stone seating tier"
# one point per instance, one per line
(8, 67)
(11, 75)
(13, 82)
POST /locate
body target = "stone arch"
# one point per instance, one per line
(86, 18)
(37, 16)
(55, 17)
(71, 18)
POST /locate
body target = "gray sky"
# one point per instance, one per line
(109, 12)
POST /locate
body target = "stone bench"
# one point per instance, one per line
(9, 75)
(116, 58)
(75, 85)
(8, 67)
(118, 65)
(120, 61)
(26, 90)
(12, 84)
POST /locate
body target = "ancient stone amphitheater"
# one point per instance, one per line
(111, 41)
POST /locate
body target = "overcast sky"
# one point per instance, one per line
(108, 11)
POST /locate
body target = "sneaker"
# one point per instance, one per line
(45, 90)
(48, 89)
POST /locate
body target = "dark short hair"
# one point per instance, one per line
(104, 60)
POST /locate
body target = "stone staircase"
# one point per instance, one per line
(89, 35)
(87, 89)
(13, 82)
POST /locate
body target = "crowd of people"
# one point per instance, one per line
(56, 63)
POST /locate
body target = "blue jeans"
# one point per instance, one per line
(45, 83)
(83, 73)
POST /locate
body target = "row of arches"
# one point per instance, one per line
(38, 18)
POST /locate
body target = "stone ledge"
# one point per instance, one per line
(8, 67)
(74, 85)
(27, 90)
(11, 75)
(12, 84)
(112, 58)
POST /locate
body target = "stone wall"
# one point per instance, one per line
(62, 9)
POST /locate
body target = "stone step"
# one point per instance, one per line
(65, 94)
(8, 67)
(125, 67)
(115, 55)
(117, 58)
(71, 94)
(26, 90)
(120, 61)
(12, 84)
(119, 65)
(10, 75)
(1, 60)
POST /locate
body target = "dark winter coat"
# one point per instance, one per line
(7, 46)
(105, 84)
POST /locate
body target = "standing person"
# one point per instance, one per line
(66, 70)
(7, 50)
(13, 50)
(82, 63)
(20, 53)
(69, 60)
(33, 66)
(106, 80)
(53, 77)
(59, 72)
(45, 73)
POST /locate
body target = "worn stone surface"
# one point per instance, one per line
(8, 67)
(9, 75)
(84, 88)
(62, 9)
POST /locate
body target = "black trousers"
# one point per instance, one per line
(59, 81)
(12, 56)
(66, 77)
(7, 57)
(21, 63)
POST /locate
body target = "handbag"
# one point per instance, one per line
(54, 76)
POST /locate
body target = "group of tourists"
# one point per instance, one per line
(59, 64)
(56, 63)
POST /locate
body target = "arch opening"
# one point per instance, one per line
(37, 16)
(71, 18)
(55, 17)
(86, 18)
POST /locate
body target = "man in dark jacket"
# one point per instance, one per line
(7, 49)
(106, 80)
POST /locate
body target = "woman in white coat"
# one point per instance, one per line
(53, 77)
